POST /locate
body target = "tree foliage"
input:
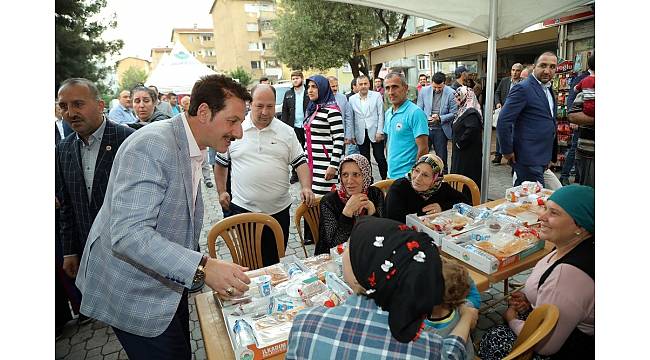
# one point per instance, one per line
(131, 77)
(324, 34)
(242, 75)
(79, 49)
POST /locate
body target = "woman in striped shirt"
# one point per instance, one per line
(323, 134)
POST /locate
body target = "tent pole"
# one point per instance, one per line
(489, 99)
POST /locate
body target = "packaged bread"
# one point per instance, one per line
(277, 273)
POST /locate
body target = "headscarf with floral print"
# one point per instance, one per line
(467, 100)
(400, 269)
(437, 166)
(366, 173)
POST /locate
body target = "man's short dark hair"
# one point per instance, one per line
(353, 83)
(262, 85)
(171, 94)
(438, 78)
(94, 92)
(264, 78)
(551, 53)
(591, 62)
(148, 90)
(425, 76)
(297, 73)
(214, 90)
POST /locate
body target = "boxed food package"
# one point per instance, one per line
(489, 249)
(528, 192)
(259, 322)
(451, 222)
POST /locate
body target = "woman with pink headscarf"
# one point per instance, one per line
(467, 139)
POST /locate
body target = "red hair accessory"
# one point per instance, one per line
(412, 245)
(371, 279)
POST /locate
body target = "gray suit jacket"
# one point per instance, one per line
(141, 250)
(448, 106)
(356, 125)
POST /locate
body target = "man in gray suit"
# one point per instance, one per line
(365, 123)
(437, 101)
(140, 257)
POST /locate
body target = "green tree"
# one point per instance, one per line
(324, 34)
(242, 75)
(79, 49)
(131, 77)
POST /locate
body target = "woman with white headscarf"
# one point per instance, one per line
(467, 153)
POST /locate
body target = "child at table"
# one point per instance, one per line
(459, 289)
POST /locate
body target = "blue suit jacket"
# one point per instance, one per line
(141, 251)
(448, 107)
(77, 210)
(526, 125)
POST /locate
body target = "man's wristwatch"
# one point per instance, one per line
(200, 271)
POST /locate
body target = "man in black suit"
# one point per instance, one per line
(291, 116)
(83, 165)
(500, 96)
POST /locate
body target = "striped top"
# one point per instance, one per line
(324, 147)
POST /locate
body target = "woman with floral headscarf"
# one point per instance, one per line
(323, 134)
(396, 275)
(351, 198)
(422, 191)
(467, 140)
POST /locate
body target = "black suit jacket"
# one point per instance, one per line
(502, 91)
(78, 211)
(289, 106)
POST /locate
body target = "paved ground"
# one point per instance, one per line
(97, 340)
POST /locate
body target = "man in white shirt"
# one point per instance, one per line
(267, 148)
(365, 123)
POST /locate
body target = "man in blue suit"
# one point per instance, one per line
(140, 258)
(437, 101)
(527, 127)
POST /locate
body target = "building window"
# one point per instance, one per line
(253, 46)
(266, 7)
(252, 27)
(256, 64)
(191, 39)
(207, 37)
(211, 66)
(251, 8)
(423, 62)
(266, 25)
(271, 63)
(209, 52)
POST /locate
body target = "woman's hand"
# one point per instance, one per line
(510, 314)
(370, 207)
(432, 209)
(354, 204)
(519, 302)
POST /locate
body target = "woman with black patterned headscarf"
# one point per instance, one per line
(396, 274)
(352, 197)
(422, 191)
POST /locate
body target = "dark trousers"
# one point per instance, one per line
(300, 134)
(269, 248)
(570, 159)
(377, 152)
(438, 140)
(528, 173)
(172, 344)
(497, 152)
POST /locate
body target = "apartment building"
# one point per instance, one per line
(199, 42)
(244, 36)
(157, 54)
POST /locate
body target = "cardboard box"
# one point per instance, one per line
(414, 220)
(482, 260)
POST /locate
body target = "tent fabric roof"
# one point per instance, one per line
(178, 71)
(513, 16)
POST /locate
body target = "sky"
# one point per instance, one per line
(144, 24)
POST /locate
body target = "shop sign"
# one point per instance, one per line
(564, 66)
(560, 20)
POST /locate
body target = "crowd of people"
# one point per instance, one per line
(129, 205)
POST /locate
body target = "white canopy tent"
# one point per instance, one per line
(493, 19)
(177, 71)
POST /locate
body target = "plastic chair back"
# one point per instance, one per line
(458, 182)
(312, 219)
